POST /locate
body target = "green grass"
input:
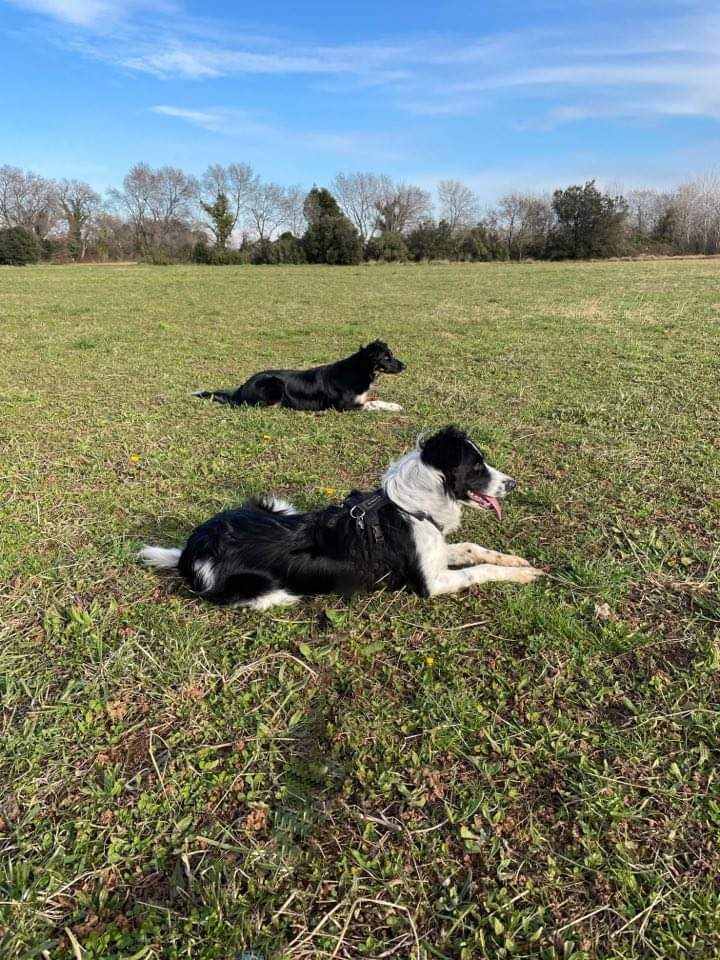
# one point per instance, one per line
(497, 774)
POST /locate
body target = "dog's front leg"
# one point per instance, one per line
(381, 405)
(470, 554)
(452, 581)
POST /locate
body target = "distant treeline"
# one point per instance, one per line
(231, 216)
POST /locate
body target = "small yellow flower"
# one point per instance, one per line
(134, 458)
(328, 491)
(429, 661)
(266, 436)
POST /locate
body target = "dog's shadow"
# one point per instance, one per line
(312, 773)
(165, 531)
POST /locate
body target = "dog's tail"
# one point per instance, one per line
(161, 558)
(219, 396)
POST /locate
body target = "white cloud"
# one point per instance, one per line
(642, 64)
(668, 68)
(80, 12)
(188, 62)
(88, 13)
(209, 119)
(187, 58)
(606, 75)
(247, 126)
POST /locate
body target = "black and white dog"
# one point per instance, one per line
(266, 553)
(343, 385)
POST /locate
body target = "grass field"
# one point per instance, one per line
(516, 772)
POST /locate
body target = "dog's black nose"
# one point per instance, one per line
(510, 484)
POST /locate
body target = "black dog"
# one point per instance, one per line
(265, 553)
(336, 386)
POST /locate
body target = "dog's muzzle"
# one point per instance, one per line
(394, 366)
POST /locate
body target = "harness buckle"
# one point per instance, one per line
(358, 515)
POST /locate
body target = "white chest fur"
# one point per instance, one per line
(431, 549)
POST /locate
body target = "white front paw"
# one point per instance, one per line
(381, 405)
(510, 560)
(527, 574)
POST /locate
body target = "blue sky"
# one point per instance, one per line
(529, 95)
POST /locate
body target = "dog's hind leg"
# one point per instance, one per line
(276, 598)
(268, 391)
(470, 554)
(248, 589)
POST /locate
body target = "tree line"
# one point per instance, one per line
(231, 215)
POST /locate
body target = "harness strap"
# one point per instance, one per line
(366, 512)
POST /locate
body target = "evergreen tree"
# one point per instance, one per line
(223, 219)
(388, 246)
(18, 247)
(289, 249)
(330, 237)
(432, 241)
(589, 223)
(473, 245)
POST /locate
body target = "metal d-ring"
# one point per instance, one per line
(358, 515)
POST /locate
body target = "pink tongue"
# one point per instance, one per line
(489, 503)
(495, 504)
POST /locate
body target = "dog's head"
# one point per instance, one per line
(468, 478)
(381, 357)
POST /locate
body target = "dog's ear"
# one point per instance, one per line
(444, 449)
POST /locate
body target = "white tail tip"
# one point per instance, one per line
(162, 558)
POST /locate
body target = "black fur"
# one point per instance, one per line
(335, 386)
(255, 550)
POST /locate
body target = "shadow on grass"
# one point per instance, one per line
(312, 774)
(170, 531)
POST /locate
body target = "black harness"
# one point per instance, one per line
(365, 514)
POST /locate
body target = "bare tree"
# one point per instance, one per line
(293, 210)
(79, 203)
(157, 203)
(457, 204)
(237, 182)
(266, 209)
(646, 209)
(110, 238)
(509, 214)
(525, 222)
(358, 195)
(401, 206)
(696, 214)
(27, 200)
